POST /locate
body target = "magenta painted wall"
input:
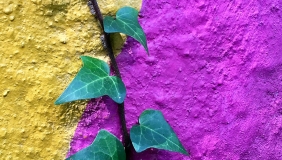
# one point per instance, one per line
(215, 71)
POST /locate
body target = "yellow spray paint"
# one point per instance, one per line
(40, 45)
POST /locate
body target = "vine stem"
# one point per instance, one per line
(125, 136)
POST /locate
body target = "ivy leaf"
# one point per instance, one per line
(105, 147)
(154, 132)
(93, 81)
(126, 22)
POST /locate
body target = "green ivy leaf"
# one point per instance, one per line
(105, 147)
(154, 132)
(126, 22)
(93, 81)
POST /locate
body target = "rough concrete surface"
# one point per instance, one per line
(215, 71)
(40, 45)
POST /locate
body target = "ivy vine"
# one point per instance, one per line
(93, 81)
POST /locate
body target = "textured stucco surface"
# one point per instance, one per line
(40, 45)
(215, 71)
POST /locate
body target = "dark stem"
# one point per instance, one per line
(107, 38)
(121, 112)
(125, 136)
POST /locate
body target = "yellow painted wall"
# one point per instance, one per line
(40, 45)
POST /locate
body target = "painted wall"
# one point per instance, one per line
(215, 71)
(40, 45)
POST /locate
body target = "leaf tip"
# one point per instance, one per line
(58, 102)
(147, 51)
(185, 152)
